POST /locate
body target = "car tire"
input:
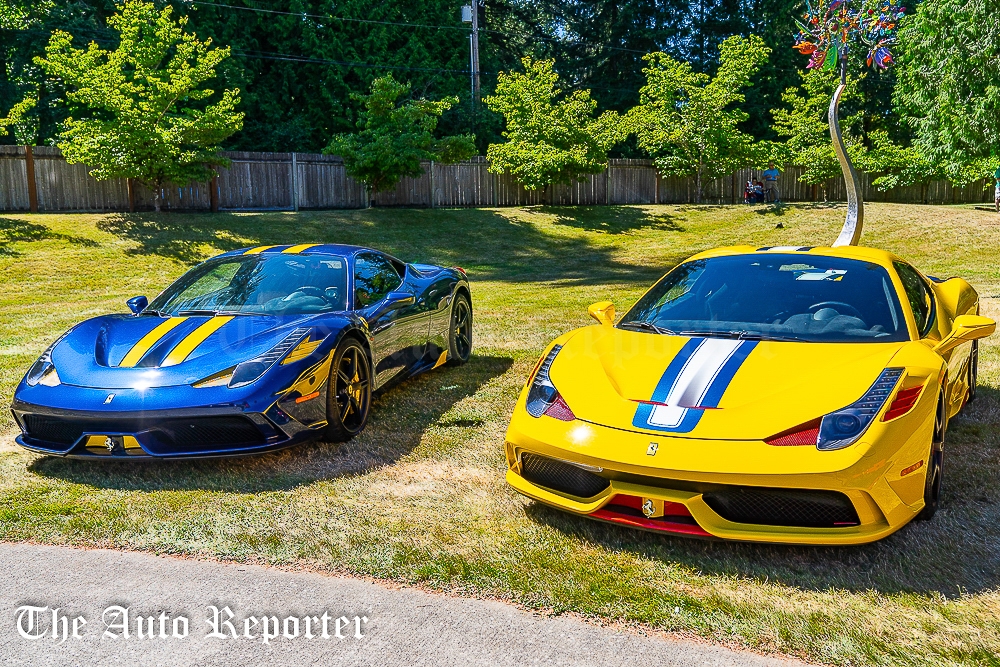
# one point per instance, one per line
(349, 391)
(973, 371)
(935, 465)
(460, 331)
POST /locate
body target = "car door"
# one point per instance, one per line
(929, 323)
(399, 333)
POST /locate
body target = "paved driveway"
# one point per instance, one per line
(243, 615)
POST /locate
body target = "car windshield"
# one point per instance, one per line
(773, 297)
(268, 284)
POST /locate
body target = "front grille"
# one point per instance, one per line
(780, 507)
(202, 432)
(166, 436)
(561, 476)
(52, 429)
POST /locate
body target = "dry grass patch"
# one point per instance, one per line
(419, 496)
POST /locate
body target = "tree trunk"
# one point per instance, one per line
(157, 190)
(697, 184)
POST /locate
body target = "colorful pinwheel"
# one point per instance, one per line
(829, 26)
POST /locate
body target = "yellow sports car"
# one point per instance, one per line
(778, 394)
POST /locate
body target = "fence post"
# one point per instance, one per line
(295, 184)
(213, 194)
(29, 168)
(130, 187)
(432, 185)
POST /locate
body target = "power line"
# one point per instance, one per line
(329, 17)
(270, 55)
(404, 24)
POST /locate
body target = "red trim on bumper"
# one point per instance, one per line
(676, 518)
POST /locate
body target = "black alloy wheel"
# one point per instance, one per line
(349, 402)
(973, 372)
(460, 334)
(935, 463)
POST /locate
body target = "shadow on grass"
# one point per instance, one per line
(491, 245)
(956, 552)
(14, 230)
(610, 219)
(398, 421)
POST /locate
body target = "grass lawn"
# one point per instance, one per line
(419, 497)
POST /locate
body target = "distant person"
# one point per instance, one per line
(996, 191)
(771, 182)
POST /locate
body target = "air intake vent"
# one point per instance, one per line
(780, 507)
(170, 436)
(561, 476)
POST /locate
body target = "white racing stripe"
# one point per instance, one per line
(694, 381)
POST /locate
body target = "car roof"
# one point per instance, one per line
(305, 249)
(874, 255)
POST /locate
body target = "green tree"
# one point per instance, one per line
(550, 139)
(898, 166)
(145, 114)
(947, 85)
(18, 120)
(393, 137)
(803, 122)
(688, 122)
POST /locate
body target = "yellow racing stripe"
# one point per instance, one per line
(299, 248)
(148, 341)
(193, 340)
(259, 249)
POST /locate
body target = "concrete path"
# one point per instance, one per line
(406, 627)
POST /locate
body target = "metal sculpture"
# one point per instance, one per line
(825, 34)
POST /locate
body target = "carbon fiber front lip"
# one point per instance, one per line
(275, 437)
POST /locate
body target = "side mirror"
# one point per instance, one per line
(137, 304)
(603, 312)
(394, 300)
(966, 328)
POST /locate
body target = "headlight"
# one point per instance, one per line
(250, 371)
(844, 427)
(543, 397)
(43, 371)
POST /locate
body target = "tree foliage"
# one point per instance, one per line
(688, 122)
(896, 165)
(145, 114)
(394, 136)
(805, 126)
(948, 85)
(551, 138)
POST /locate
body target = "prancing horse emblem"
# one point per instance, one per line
(109, 442)
(110, 398)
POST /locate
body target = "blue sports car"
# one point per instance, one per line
(253, 350)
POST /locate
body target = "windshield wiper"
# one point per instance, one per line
(151, 311)
(211, 313)
(743, 335)
(647, 326)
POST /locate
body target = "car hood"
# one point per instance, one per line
(710, 388)
(181, 350)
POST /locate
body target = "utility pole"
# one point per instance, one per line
(470, 14)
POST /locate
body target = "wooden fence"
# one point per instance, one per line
(290, 181)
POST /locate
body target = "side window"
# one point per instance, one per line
(374, 277)
(918, 295)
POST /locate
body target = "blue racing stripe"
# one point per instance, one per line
(674, 369)
(726, 374)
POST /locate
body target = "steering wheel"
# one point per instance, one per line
(310, 290)
(837, 305)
